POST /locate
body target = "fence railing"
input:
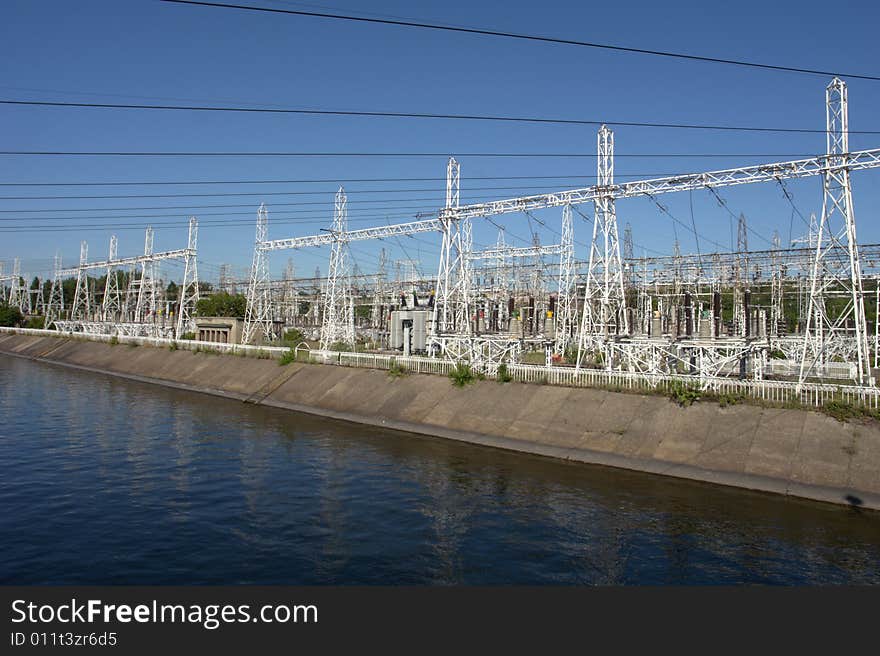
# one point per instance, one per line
(778, 392)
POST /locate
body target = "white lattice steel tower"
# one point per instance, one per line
(741, 274)
(337, 321)
(146, 298)
(111, 304)
(451, 300)
(565, 302)
(82, 307)
(18, 293)
(604, 312)
(258, 316)
(844, 335)
(55, 307)
(776, 290)
(189, 290)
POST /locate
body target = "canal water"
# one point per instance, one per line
(106, 481)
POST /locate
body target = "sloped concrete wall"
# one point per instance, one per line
(795, 452)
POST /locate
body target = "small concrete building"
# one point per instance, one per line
(223, 330)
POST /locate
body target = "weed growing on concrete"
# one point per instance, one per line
(462, 375)
(396, 371)
(172, 346)
(287, 357)
(503, 375)
(730, 398)
(114, 340)
(843, 411)
(684, 395)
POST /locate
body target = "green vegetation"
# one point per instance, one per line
(172, 346)
(396, 371)
(188, 336)
(843, 411)
(10, 316)
(463, 375)
(343, 347)
(35, 322)
(533, 357)
(730, 398)
(292, 338)
(287, 357)
(114, 340)
(222, 304)
(503, 375)
(684, 394)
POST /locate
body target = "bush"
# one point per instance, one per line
(188, 336)
(293, 337)
(287, 357)
(730, 398)
(35, 322)
(10, 316)
(503, 375)
(843, 411)
(172, 346)
(396, 371)
(684, 394)
(463, 375)
(340, 346)
(114, 340)
(222, 304)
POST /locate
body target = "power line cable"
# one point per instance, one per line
(527, 37)
(119, 183)
(133, 153)
(416, 115)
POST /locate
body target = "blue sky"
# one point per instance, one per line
(146, 51)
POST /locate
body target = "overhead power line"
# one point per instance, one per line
(417, 115)
(527, 37)
(322, 192)
(119, 183)
(109, 153)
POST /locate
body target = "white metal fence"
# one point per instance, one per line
(777, 392)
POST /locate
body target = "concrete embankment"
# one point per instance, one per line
(793, 452)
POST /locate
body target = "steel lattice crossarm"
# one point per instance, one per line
(510, 251)
(327, 239)
(136, 259)
(764, 259)
(864, 159)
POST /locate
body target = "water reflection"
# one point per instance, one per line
(107, 481)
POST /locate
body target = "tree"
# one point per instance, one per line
(222, 304)
(10, 316)
(171, 291)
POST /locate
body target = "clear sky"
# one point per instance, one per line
(146, 51)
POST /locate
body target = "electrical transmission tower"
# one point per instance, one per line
(741, 283)
(55, 308)
(777, 315)
(844, 335)
(82, 307)
(258, 316)
(111, 306)
(146, 298)
(18, 293)
(451, 301)
(604, 312)
(188, 296)
(337, 322)
(565, 302)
